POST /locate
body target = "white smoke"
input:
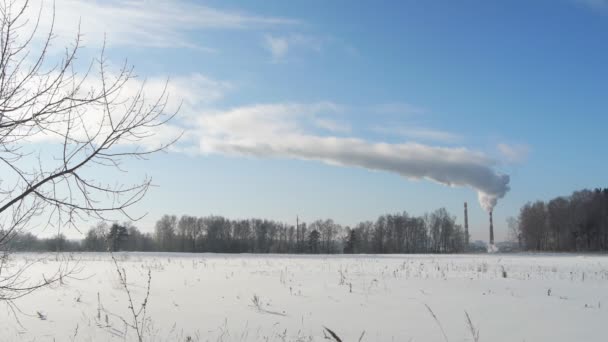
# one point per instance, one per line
(488, 200)
(288, 131)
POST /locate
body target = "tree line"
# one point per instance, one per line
(578, 222)
(436, 232)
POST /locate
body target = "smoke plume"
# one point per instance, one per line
(287, 131)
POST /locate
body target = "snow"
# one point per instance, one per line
(492, 248)
(210, 297)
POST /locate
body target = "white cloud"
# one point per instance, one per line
(158, 23)
(332, 125)
(516, 153)
(194, 90)
(280, 45)
(186, 93)
(420, 133)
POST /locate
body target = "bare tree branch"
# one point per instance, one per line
(58, 121)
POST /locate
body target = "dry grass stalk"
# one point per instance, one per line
(445, 337)
(474, 332)
(332, 334)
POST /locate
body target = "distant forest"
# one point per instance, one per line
(575, 223)
(436, 232)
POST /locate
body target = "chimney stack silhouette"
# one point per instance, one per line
(466, 225)
(491, 230)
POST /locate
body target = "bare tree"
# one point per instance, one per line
(59, 120)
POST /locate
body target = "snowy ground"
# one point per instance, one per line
(211, 298)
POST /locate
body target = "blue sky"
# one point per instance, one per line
(507, 87)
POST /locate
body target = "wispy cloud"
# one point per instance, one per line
(398, 108)
(514, 153)
(333, 125)
(186, 94)
(415, 127)
(280, 45)
(159, 23)
(597, 5)
(420, 133)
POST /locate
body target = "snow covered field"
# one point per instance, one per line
(208, 297)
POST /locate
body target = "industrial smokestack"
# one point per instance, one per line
(297, 232)
(491, 230)
(466, 225)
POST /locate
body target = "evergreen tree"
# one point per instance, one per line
(351, 242)
(314, 239)
(117, 235)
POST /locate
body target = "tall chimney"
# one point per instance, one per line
(466, 226)
(297, 233)
(491, 230)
